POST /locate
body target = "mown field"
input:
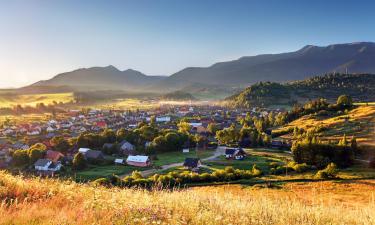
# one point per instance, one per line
(36, 201)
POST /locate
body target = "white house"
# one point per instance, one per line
(185, 150)
(138, 160)
(50, 129)
(47, 165)
(83, 150)
(195, 124)
(120, 161)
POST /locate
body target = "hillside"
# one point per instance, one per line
(49, 201)
(361, 87)
(178, 96)
(359, 122)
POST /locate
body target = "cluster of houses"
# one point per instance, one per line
(72, 123)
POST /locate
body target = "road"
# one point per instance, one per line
(218, 152)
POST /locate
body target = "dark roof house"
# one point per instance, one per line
(192, 163)
(94, 155)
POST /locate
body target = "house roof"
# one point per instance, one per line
(83, 150)
(119, 160)
(191, 162)
(42, 162)
(53, 155)
(230, 151)
(93, 154)
(137, 158)
(126, 145)
(108, 145)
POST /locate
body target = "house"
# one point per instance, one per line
(50, 129)
(19, 145)
(94, 155)
(119, 161)
(127, 148)
(280, 144)
(235, 153)
(83, 150)
(47, 165)
(185, 150)
(54, 156)
(138, 160)
(108, 146)
(192, 163)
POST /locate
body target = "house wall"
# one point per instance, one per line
(139, 164)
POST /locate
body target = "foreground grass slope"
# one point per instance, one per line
(35, 201)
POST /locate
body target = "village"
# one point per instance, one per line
(148, 141)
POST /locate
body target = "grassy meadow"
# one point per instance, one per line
(36, 201)
(359, 122)
(33, 99)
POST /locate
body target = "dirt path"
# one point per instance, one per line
(218, 152)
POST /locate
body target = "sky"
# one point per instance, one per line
(39, 39)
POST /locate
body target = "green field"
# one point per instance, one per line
(93, 172)
(260, 157)
(178, 157)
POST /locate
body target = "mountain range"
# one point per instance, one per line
(301, 64)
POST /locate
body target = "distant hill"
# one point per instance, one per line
(361, 87)
(178, 96)
(223, 78)
(306, 62)
(101, 78)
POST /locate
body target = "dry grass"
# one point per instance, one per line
(359, 122)
(34, 201)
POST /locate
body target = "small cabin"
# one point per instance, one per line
(192, 163)
(235, 153)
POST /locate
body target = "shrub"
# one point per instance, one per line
(328, 173)
(174, 178)
(79, 162)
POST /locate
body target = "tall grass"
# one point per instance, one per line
(47, 201)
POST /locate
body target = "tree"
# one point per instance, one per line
(60, 144)
(228, 135)
(109, 136)
(184, 127)
(35, 154)
(353, 144)
(344, 141)
(344, 101)
(20, 157)
(79, 162)
(212, 128)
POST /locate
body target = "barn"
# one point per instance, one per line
(138, 160)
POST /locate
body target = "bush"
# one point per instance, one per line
(274, 165)
(174, 178)
(79, 162)
(328, 173)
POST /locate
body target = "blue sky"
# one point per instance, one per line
(39, 39)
